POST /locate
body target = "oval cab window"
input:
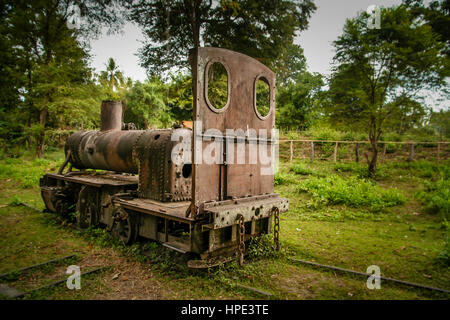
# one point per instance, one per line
(217, 83)
(262, 97)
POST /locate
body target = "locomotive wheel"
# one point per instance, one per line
(87, 217)
(61, 206)
(124, 227)
(87, 208)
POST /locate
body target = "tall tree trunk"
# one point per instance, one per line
(373, 138)
(194, 17)
(374, 158)
(40, 139)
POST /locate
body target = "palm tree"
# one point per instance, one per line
(113, 77)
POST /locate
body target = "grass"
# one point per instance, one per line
(28, 172)
(352, 191)
(338, 218)
(301, 169)
(435, 197)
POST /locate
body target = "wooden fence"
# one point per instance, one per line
(411, 156)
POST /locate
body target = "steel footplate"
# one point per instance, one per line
(228, 215)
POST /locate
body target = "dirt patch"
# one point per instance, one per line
(305, 283)
(126, 279)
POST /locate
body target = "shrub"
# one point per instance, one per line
(15, 201)
(392, 147)
(421, 168)
(360, 170)
(354, 136)
(352, 192)
(436, 197)
(262, 247)
(300, 168)
(353, 167)
(27, 172)
(292, 135)
(323, 133)
(444, 255)
(280, 178)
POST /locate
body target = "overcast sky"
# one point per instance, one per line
(325, 26)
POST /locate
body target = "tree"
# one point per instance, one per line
(180, 97)
(406, 114)
(9, 65)
(293, 64)
(262, 29)
(436, 15)
(145, 104)
(296, 101)
(50, 58)
(440, 121)
(376, 71)
(112, 77)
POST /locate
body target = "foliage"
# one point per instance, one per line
(294, 65)
(15, 201)
(217, 85)
(360, 170)
(329, 133)
(113, 80)
(180, 97)
(26, 172)
(260, 29)
(280, 178)
(436, 197)
(378, 73)
(263, 248)
(300, 168)
(405, 115)
(436, 15)
(353, 192)
(350, 167)
(444, 255)
(440, 121)
(296, 101)
(48, 63)
(423, 169)
(146, 104)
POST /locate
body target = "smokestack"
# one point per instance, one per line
(111, 116)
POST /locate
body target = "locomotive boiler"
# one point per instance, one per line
(162, 185)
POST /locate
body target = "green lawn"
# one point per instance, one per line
(336, 217)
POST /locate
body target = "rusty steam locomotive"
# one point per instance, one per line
(154, 183)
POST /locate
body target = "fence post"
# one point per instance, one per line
(312, 151)
(292, 151)
(357, 152)
(411, 153)
(384, 152)
(438, 152)
(335, 152)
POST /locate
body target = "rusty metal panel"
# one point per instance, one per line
(227, 215)
(215, 181)
(160, 178)
(170, 211)
(147, 152)
(47, 194)
(111, 115)
(98, 180)
(108, 150)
